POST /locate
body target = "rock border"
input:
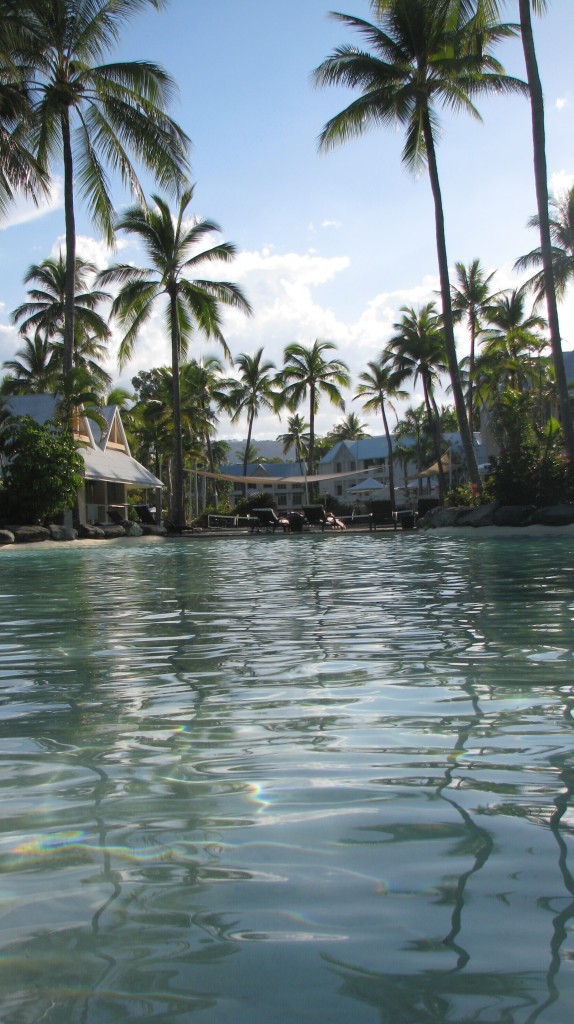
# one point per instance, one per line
(101, 531)
(496, 514)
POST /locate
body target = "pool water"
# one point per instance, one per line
(288, 779)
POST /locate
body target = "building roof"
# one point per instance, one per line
(377, 447)
(272, 470)
(100, 462)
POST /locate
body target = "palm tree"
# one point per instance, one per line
(45, 308)
(91, 114)
(33, 370)
(562, 238)
(253, 391)
(512, 342)
(192, 304)
(349, 428)
(378, 386)
(417, 351)
(307, 373)
(19, 169)
(202, 394)
(424, 53)
(541, 182)
(470, 301)
(296, 436)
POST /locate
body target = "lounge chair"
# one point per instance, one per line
(316, 515)
(145, 515)
(381, 513)
(116, 517)
(267, 519)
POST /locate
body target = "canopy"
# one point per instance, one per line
(370, 484)
(433, 470)
(280, 479)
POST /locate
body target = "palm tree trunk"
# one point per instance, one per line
(391, 464)
(434, 428)
(178, 512)
(69, 297)
(250, 419)
(311, 453)
(448, 326)
(541, 181)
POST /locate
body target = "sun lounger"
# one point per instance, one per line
(145, 515)
(316, 515)
(267, 519)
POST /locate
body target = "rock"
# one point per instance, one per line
(132, 529)
(6, 537)
(481, 516)
(86, 532)
(513, 515)
(554, 515)
(438, 517)
(62, 532)
(112, 530)
(149, 530)
(30, 534)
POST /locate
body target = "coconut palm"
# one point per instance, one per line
(44, 309)
(378, 386)
(541, 182)
(296, 437)
(89, 114)
(511, 342)
(253, 391)
(423, 54)
(19, 169)
(562, 238)
(471, 300)
(33, 369)
(349, 428)
(202, 394)
(417, 351)
(192, 304)
(307, 373)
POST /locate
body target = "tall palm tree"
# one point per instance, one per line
(19, 169)
(417, 351)
(307, 373)
(45, 308)
(541, 183)
(423, 54)
(89, 114)
(562, 238)
(471, 299)
(378, 386)
(297, 436)
(253, 391)
(33, 370)
(191, 304)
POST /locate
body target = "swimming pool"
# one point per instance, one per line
(276, 779)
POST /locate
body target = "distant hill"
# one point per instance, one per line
(264, 449)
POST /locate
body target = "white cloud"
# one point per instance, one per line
(562, 101)
(561, 181)
(331, 224)
(24, 210)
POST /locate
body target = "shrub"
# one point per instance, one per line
(42, 471)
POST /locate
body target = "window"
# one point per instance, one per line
(339, 467)
(339, 490)
(281, 499)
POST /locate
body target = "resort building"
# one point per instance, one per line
(372, 453)
(273, 478)
(109, 469)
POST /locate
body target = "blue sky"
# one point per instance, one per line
(329, 245)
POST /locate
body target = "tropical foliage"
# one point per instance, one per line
(190, 304)
(30, 497)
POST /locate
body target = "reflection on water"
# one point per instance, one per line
(287, 779)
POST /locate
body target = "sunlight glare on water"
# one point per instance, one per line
(276, 779)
